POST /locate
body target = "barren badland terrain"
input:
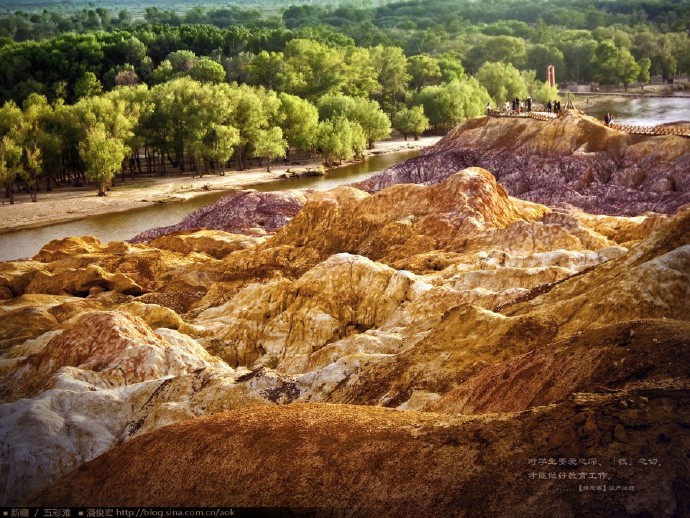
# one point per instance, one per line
(500, 327)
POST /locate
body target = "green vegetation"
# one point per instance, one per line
(189, 89)
(451, 103)
(102, 156)
(411, 122)
(502, 80)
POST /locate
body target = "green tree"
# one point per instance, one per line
(35, 108)
(425, 71)
(449, 104)
(163, 72)
(10, 118)
(135, 52)
(237, 68)
(266, 69)
(679, 44)
(541, 56)
(219, 145)
(332, 106)
(10, 165)
(257, 110)
(539, 90)
(627, 68)
(531, 82)
(544, 93)
(102, 155)
(391, 64)
(182, 60)
(373, 121)
(645, 64)
(299, 121)
(269, 143)
(87, 86)
(504, 49)
(605, 63)
(124, 18)
(361, 79)
(313, 69)
(339, 139)
(128, 106)
(59, 89)
(451, 68)
(426, 40)
(411, 121)
(214, 138)
(502, 81)
(578, 49)
(207, 71)
(614, 65)
(110, 110)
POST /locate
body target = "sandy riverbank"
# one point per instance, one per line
(72, 204)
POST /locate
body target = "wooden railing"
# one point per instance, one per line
(544, 116)
(681, 131)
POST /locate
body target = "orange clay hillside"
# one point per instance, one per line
(426, 347)
(365, 461)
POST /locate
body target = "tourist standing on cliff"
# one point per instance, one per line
(607, 119)
(506, 106)
(488, 108)
(548, 106)
(529, 104)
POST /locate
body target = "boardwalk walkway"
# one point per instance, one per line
(681, 131)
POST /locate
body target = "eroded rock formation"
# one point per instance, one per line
(448, 302)
(573, 159)
(242, 211)
(368, 461)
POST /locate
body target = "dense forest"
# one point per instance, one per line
(173, 89)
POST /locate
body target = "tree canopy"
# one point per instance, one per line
(194, 88)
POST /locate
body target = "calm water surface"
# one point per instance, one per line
(647, 111)
(120, 226)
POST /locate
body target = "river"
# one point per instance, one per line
(125, 225)
(643, 111)
(120, 226)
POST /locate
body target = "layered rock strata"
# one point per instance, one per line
(241, 212)
(501, 330)
(368, 461)
(573, 159)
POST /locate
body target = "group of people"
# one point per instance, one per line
(517, 105)
(608, 119)
(553, 107)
